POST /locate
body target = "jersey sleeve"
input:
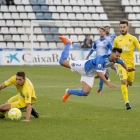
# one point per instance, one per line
(91, 51)
(109, 46)
(115, 43)
(137, 45)
(119, 61)
(94, 46)
(10, 81)
(27, 94)
(99, 64)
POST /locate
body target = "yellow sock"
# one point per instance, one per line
(125, 92)
(2, 113)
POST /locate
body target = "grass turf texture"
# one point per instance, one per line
(98, 116)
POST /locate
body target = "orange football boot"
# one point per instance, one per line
(65, 96)
(65, 40)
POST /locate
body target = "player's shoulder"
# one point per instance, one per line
(13, 78)
(131, 36)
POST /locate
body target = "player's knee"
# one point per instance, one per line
(86, 92)
(130, 84)
(2, 108)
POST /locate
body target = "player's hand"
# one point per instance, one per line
(111, 85)
(25, 120)
(131, 69)
(87, 58)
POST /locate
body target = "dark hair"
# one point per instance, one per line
(21, 74)
(107, 27)
(102, 28)
(116, 49)
(124, 22)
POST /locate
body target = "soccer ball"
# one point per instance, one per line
(14, 114)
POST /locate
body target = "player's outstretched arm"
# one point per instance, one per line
(128, 69)
(28, 112)
(100, 74)
(2, 86)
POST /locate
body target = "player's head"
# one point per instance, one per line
(20, 78)
(88, 36)
(124, 27)
(115, 54)
(107, 30)
(102, 32)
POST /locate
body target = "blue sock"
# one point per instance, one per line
(65, 53)
(107, 73)
(78, 92)
(101, 85)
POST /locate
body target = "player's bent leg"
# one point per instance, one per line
(86, 88)
(129, 83)
(5, 107)
(35, 113)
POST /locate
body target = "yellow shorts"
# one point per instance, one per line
(125, 74)
(17, 102)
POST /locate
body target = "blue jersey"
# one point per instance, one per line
(111, 38)
(99, 64)
(102, 46)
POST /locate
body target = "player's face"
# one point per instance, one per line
(102, 33)
(115, 56)
(107, 30)
(19, 80)
(123, 29)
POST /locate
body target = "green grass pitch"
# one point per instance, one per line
(95, 117)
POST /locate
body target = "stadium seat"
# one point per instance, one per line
(4, 30)
(24, 38)
(49, 2)
(61, 30)
(18, 23)
(84, 9)
(15, 16)
(52, 9)
(112, 30)
(94, 31)
(10, 45)
(137, 30)
(43, 45)
(128, 9)
(52, 45)
(98, 23)
(23, 16)
(131, 16)
(17, 2)
(40, 38)
(63, 16)
(36, 8)
(70, 31)
(48, 16)
(103, 17)
(7, 16)
(13, 30)
(26, 23)
(37, 30)
(133, 2)
(12, 8)
(44, 8)
(79, 16)
(65, 2)
(25, 2)
(31, 16)
(2, 23)
(56, 38)
(138, 2)
(16, 38)
(86, 31)
(88, 2)
(96, 2)
(73, 2)
(60, 45)
(81, 38)
(66, 24)
(74, 24)
(136, 9)
(1, 38)
(57, 2)
(95, 17)
(87, 16)
(138, 16)
(49, 38)
(2, 45)
(28, 30)
(134, 24)
(54, 31)
(76, 9)
(90, 24)
(100, 9)
(27, 45)
(80, 2)
(10, 23)
(92, 9)
(34, 38)
(1, 16)
(33, 2)
(78, 31)
(82, 24)
(71, 16)
(7, 37)
(45, 30)
(68, 9)
(21, 30)
(58, 24)
(74, 38)
(20, 9)
(60, 9)
(28, 8)
(36, 45)
(125, 2)
(106, 23)
(96, 37)
(19, 45)
(41, 2)
(4, 8)
(55, 16)
(39, 16)
(77, 45)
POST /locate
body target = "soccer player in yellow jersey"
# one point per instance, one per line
(128, 43)
(25, 98)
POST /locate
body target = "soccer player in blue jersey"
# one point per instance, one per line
(89, 68)
(101, 46)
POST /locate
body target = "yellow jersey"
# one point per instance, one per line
(127, 43)
(26, 91)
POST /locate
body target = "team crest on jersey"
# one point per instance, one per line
(130, 40)
(99, 65)
(8, 80)
(110, 36)
(73, 64)
(104, 43)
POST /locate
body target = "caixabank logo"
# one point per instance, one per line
(12, 57)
